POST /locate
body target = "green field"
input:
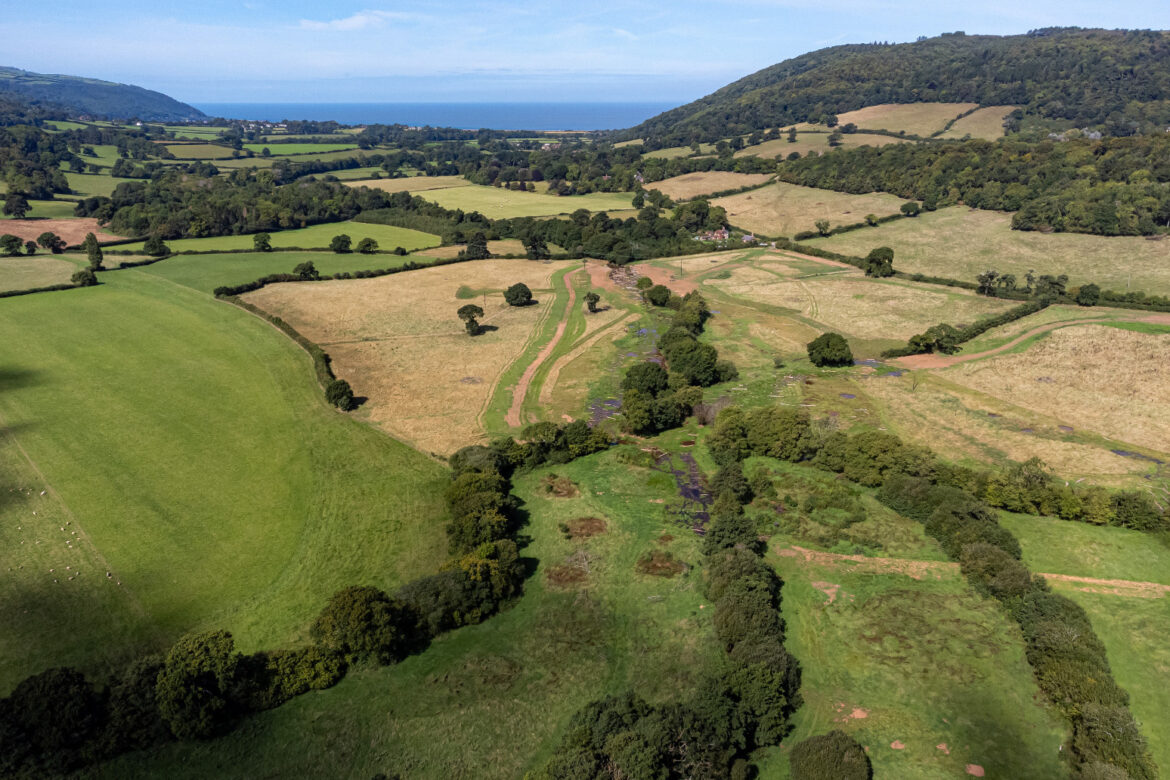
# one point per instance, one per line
(491, 701)
(187, 451)
(297, 149)
(199, 151)
(312, 237)
(206, 272)
(87, 185)
(194, 132)
(960, 243)
(46, 209)
(499, 203)
(40, 270)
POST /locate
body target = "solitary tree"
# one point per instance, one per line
(154, 247)
(262, 242)
(52, 242)
(367, 246)
(911, 208)
(340, 394)
(470, 315)
(880, 262)
(307, 271)
(591, 301)
(16, 205)
(830, 349)
(518, 295)
(340, 244)
(822, 226)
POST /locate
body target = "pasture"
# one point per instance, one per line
(783, 209)
(959, 243)
(499, 203)
(921, 119)
(492, 701)
(412, 184)
(397, 341)
(43, 209)
(292, 149)
(206, 272)
(200, 151)
(985, 123)
(202, 484)
(312, 237)
(40, 270)
(89, 184)
(692, 185)
(813, 141)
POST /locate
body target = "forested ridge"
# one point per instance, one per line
(94, 97)
(1116, 79)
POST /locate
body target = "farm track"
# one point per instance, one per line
(513, 418)
(945, 361)
(554, 373)
(945, 569)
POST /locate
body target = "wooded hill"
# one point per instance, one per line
(93, 97)
(1113, 80)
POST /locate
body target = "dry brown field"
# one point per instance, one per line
(985, 123)
(73, 230)
(412, 183)
(921, 119)
(783, 209)
(397, 341)
(692, 185)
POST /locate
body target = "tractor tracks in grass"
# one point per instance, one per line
(513, 417)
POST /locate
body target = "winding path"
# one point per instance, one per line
(935, 360)
(518, 395)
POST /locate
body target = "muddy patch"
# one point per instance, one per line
(583, 528)
(692, 508)
(660, 563)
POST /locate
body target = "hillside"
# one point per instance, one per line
(94, 97)
(1114, 79)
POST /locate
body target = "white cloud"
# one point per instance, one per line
(362, 20)
(625, 34)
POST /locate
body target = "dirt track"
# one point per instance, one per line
(518, 395)
(939, 569)
(944, 361)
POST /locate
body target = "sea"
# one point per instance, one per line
(470, 116)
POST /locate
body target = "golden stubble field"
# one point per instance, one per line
(1107, 380)
(783, 209)
(692, 185)
(920, 119)
(398, 342)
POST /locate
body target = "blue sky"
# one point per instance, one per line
(370, 51)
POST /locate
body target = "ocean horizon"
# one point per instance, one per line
(469, 116)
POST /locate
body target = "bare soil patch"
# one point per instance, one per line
(561, 487)
(72, 230)
(585, 527)
(660, 563)
(565, 575)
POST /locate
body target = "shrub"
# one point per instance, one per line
(1109, 735)
(340, 244)
(340, 394)
(194, 685)
(830, 349)
(58, 711)
(362, 622)
(730, 478)
(154, 247)
(658, 295)
(518, 295)
(994, 572)
(832, 756)
(367, 246)
(84, 277)
(306, 271)
(648, 377)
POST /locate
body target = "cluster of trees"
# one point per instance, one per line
(1066, 655)
(746, 705)
(1063, 75)
(657, 397)
(1111, 186)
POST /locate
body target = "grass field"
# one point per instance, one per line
(692, 185)
(1132, 628)
(279, 150)
(413, 183)
(786, 209)
(674, 152)
(492, 701)
(960, 243)
(499, 203)
(90, 184)
(921, 119)
(206, 475)
(195, 133)
(813, 142)
(45, 209)
(41, 270)
(1112, 382)
(206, 272)
(312, 237)
(199, 151)
(397, 340)
(506, 246)
(986, 123)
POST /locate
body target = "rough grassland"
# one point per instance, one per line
(861, 307)
(492, 701)
(786, 209)
(960, 243)
(1111, 381)
(206, 272)
(278, 150)
(813, 142)
(397, 340)
(499, 203)
(692, 185)
(199, 151)
(23, 273)
(185, 449)
(312, 237)
(412, 184)
(1134, 630)
(922, 119)
(506, 246)
(984, 123)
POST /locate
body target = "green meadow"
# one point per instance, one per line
(170, 465)
(312, 237)
(297, 148)
(206, 272)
